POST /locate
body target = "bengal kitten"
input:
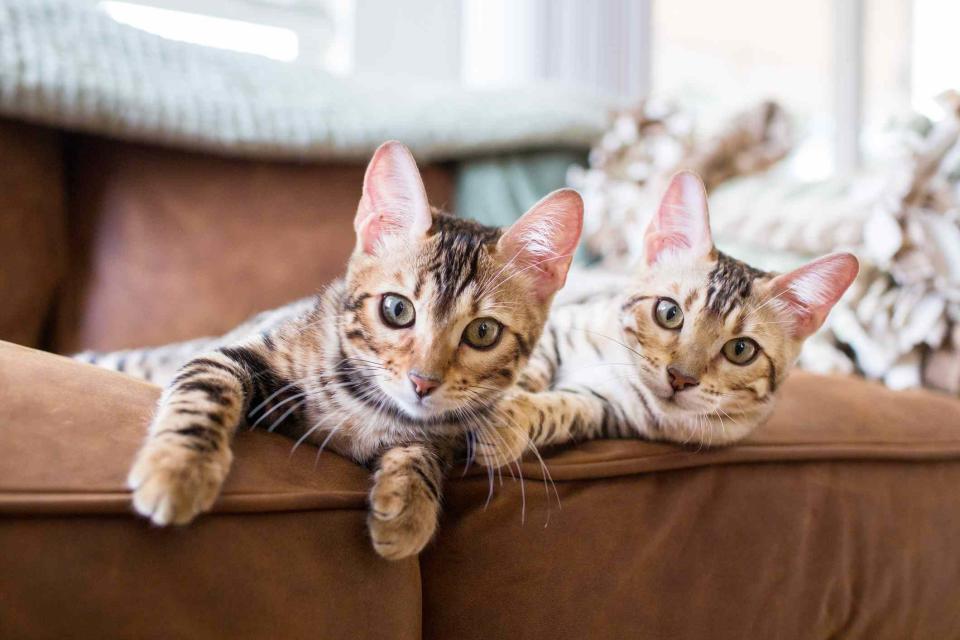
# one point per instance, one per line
(392, 364)
(692, 351)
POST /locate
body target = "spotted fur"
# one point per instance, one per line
(602, 369)
(332, 370)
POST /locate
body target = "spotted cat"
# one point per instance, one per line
(391, 365)
(691, 350)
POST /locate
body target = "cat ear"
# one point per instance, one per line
(811, 291)
(543, 240)
(681, 223)
(394, 201)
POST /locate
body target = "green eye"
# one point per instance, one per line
(397, 311)
(668, 314)
(741, 350)
(482, 333)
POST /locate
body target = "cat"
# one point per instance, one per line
(693, 350)
(390, 366)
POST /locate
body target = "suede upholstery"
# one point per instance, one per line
(286, 557)
(834, 520)
(32, 229)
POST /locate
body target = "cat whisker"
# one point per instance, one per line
(278, 421)
(471, 452)
(306, 434)
(728, 416)
(266, 414)
(614, 340)
(701, 430)
(482, 287)
(525, 269)
(273, 395)
(316, 426)
(547, 477)
(490, 490)
(323, 445)
(468, 415)
(770, 299)
(496, 277)
(722, 426)
(518, 477)
(523, 494)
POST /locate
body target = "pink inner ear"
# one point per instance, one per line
(394, 201)
(543, 240)
(811, 291)
(681, 223)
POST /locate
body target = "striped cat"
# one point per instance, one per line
(391, 365)
(692, 351)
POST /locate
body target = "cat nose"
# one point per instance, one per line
(680, 379)
(423, 385)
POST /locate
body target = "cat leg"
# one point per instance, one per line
(178, 472)
(524, 420)
(405, 500)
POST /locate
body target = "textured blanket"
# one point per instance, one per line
(68, 64)
(900, 321)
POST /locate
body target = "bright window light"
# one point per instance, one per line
(935, 51)
(221, 33)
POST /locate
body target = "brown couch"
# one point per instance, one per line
(838, 519)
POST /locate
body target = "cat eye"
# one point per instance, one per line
(397, 311)
(741, 351)
(668, 314)
(482, 333)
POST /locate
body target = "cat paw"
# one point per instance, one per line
(505, 438)
(173, 484)
(403, 512)
(500, 446)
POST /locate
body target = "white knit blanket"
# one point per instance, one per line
(69, 65)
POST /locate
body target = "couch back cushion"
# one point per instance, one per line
(168, 245)
(32, 230)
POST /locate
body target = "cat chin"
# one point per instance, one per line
(426, 411)
(416, 411)
(711, 427)
(683, 408)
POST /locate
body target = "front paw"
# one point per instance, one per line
(500, 446)
(505, 438)
(172, 484)
(403, 513)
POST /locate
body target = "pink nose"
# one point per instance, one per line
(680, 380)
(423, 385)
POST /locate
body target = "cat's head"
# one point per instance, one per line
(443, 312)
(714, 337)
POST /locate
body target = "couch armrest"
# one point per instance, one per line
(839, 518)
(284, 554)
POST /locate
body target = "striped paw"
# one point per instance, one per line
(172, 484)
(403, 512)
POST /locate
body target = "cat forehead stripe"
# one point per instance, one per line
(729, 283)
(455, 261)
